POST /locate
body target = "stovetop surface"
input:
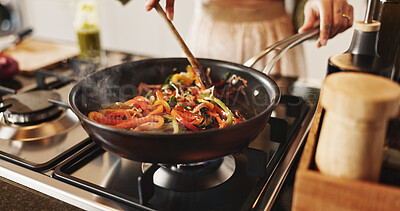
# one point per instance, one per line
(45, 151)
(43, 145)
(117, 178)
(71, 167)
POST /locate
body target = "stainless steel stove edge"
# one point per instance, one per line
(52, 187)
(284, 166)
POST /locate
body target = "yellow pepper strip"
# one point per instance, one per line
(183, 78)
(164, 104)
(190, 71)
(186, 78)
(158, 110)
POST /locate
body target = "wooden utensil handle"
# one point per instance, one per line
(192, 60)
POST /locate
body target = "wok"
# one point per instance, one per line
(119, 83)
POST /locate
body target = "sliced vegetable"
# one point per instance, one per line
(136, 121)
(181, 104)
(100, 118)
(204, 104)
(221, 123)
(158, 110)
(181, 119)
(164, 104)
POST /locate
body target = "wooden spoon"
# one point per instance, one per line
(198, 69)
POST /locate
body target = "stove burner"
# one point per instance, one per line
(31, 107)
(63, 123)
(194, 177)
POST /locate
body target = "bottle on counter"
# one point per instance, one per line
(388, 13)
(88, 32)
(362, 55)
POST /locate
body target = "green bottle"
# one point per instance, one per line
(87, 28)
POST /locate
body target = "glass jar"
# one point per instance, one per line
(88, 32)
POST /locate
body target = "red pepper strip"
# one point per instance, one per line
(158, 110)
(111, 110)
(219, 83)
(147, 87)
(140, 101)
(136, 121)
(92, 114)
(140, 88)
(194, 90)
(178, 116)
(220, 111)
(236, 120)
(164, 104)
(189, 116)
(136, 100)
(130, 111)
(221, 122)
(119, 114)
(197, 120)
(100, 118)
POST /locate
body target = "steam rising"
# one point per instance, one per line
(103, 88)
(119, 83)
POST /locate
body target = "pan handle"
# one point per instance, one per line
(281, 46)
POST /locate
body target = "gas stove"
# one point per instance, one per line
(44, 147)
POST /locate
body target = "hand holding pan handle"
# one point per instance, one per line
(281, 46)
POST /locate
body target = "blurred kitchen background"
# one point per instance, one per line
(129, 28)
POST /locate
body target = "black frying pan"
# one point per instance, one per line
(119, 83)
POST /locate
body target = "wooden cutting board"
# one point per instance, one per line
(34, 54)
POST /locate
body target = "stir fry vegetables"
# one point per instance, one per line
(181, 104)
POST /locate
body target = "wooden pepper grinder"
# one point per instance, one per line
(358, 107)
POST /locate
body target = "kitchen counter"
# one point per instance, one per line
(14, 196)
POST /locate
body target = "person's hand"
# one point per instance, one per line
(169, 7)
(333, 17)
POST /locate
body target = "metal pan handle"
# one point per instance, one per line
(281, 46)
